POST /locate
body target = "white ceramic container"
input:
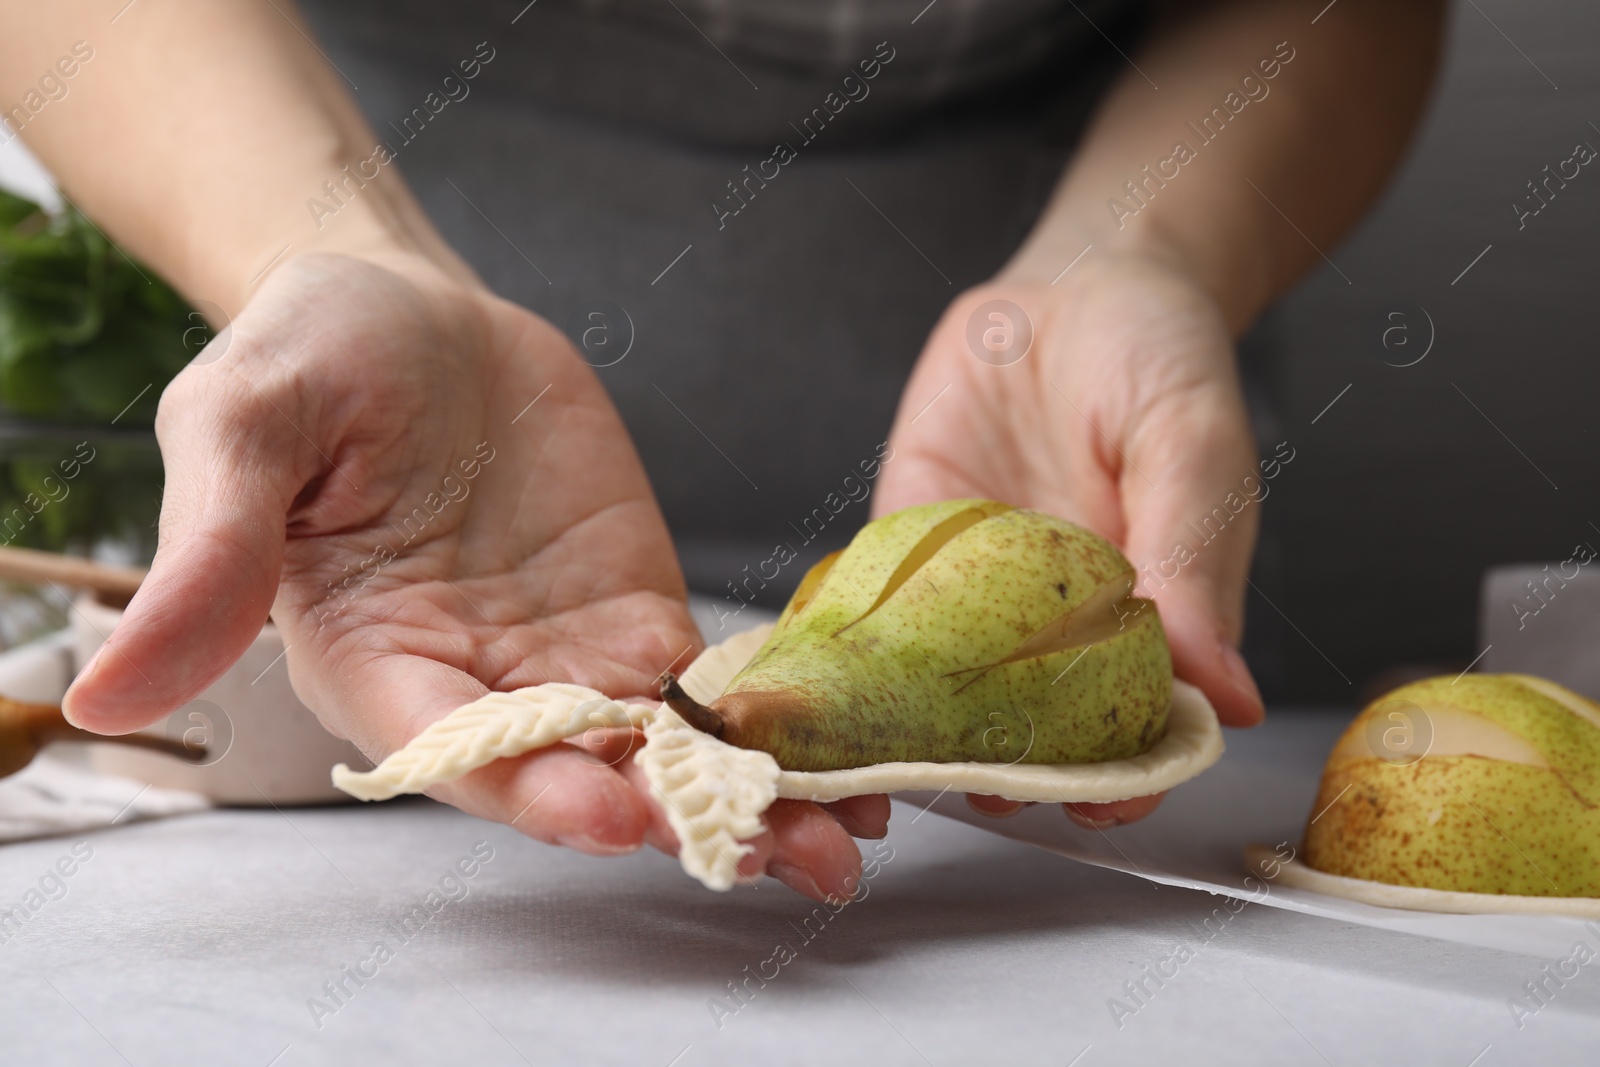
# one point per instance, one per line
(263, 745)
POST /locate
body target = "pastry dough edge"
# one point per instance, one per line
(1297, 874)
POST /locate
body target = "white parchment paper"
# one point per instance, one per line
(1261, 792)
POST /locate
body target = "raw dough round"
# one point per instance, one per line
(1296, 874)
(713, 794)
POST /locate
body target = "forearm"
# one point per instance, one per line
(196, 133)
(1286, 164)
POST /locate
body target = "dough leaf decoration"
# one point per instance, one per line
(713, 795)
(494, 726)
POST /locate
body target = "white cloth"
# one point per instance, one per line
(53, 796)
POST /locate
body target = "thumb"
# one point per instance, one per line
(215, 574)
(1191, 538)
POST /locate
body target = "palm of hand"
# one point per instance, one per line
(434, 497)
(1127, 367)
(1125, 416)
(488, 525)
(363, 436)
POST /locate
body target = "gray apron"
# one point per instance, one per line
(617, 168)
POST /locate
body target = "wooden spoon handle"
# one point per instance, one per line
(31, 565)
(166, 745)
(43, 723)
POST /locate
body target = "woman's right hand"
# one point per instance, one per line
(434, 498)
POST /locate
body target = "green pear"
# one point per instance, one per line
(965, 630)
(1486, 783)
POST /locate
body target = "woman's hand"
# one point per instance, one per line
(1160, 244)
(434, 498)
(1124, 415)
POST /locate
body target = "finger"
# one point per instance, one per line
(998, 807)
(865, 817)
(233, 465)
(813, 854)
(558, 795)
(1191, 534)
(564, 794)
(1205, 659)
(610, 745)
(1116, 813)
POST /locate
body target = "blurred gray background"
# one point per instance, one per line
(1421, 477)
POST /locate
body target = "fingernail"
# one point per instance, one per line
(994, 807)
(71, 700)
(94, 658)
(1089, 823)
(72, 705)
(67, 710)
(1239, 674)
(752, 867)
(845, 820)
(797, 878)
(588, 845)
(855, 828)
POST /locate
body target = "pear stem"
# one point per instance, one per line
(688, 708)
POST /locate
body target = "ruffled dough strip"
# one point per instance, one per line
(494, 726)
(713, 795)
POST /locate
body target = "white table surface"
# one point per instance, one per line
(200, 939)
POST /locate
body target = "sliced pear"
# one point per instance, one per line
(962, 631)
(809, 585)
(1107, 612)
(926, 548)
(1452, 732)
(1503, 796)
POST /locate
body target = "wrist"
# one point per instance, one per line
(380, 223)
(1058, 247)
(1064, 242)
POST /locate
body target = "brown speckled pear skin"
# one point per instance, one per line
(903, 650)
(1507, 800)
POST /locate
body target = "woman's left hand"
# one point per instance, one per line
(1123, 413)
